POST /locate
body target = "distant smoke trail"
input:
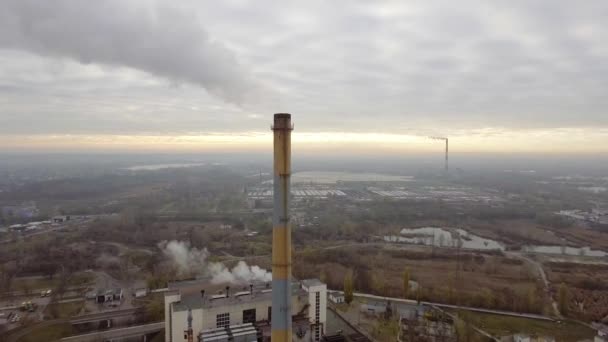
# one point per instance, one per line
(187, 260)
(167, 42)
(193, 262)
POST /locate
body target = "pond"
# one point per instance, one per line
(445, 237)
(329, 177)
(565, 250)
(162, 166)
(454, 237)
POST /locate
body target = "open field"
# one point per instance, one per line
(63, 310)
(487, 280)
(47, 333)
(44, 283)
(565, 331)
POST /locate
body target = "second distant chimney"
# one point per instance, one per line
(227, 291)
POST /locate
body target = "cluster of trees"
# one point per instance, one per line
(505, 298)
(361, 273)
(562, 299)
(48, 256)
(591, 305)
(552, 220)
(583, 291)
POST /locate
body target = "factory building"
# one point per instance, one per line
(222, 313)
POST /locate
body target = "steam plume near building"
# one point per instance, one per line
(191, 261)
(165, 41)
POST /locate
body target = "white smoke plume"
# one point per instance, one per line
(188, 260)
(163, 39)
(191, 261)
(239, 274)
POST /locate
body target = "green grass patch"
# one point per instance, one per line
(343, 307)
(34, 286)
(48, 333)
(386, 330)
(81, 279)
(63, 310)
(499, 325)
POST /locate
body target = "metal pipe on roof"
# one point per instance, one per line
(281, 232)
(189, 332)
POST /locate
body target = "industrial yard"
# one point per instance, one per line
(369, 187)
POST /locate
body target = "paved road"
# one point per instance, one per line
(132, 331)
(544, 278)
(102, 315)
(75, 221)
(26, 236)
(15, 336)
(482, 332)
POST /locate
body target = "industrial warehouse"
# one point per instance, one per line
(194, 310)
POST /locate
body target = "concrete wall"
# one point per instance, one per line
(169, 299)
(180, 323)
(312, 294)
(236, 313)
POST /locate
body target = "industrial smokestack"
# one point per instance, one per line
(446, 150)
(446, 155)
(281, 231)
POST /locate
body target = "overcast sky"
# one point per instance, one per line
(511, 75)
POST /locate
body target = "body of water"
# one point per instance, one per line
(454, 237)
(162, 166)
(444, 237)
(565, 250)
(329, 177)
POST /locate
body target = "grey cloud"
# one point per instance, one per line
(162, 40)
(337, 65)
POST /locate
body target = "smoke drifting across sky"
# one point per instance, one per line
(161, 40)
(191, 261)
(94, 70)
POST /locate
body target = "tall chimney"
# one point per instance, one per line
(281, 231)
(446, 155)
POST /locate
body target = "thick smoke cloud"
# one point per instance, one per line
(166, 42)
(191, 261)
